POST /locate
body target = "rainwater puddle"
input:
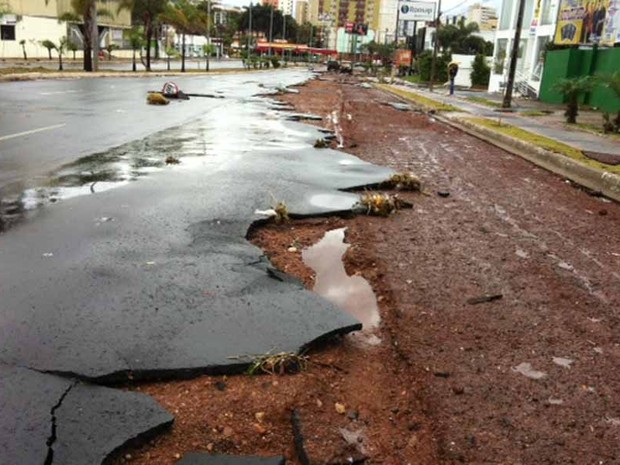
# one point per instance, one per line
(352, 294)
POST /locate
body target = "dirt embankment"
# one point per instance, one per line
(527, 378)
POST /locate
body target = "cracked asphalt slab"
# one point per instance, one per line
(155, 278)
(46, 418)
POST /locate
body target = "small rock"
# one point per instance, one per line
(602, 212)
(128, 457)
(228, 431)
(458, 390)
(177, 456)
(292, 249)
(260, 416)
(441, 374)
(443, 194)
(319, 404)
(220, 385)
(352, 415)
(340, 408)
(260, 429)
(210, 447)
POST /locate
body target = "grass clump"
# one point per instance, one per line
(534, 113)
(156, 98)
(320, 144)
(278, 364)
(421, 101)
(404, 181)
(380, 204)
(281, 215)
(543, 142)
(170, 160)
(484, 101)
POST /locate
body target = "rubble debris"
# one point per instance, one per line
(484, 298)
(156, 98)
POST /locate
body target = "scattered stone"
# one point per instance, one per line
(441, 374)
(484, 298)
(526, 370)
(170, 160)
(458, 390)
(443, 194)
(260, 429)
(320, 144)
(260, 416)
(292, 249)
(228, 431)
(602, 212)
(340, 408)
(553, 401)
(220, 385)
(563, 362)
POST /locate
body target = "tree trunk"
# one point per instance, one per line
(133, 61)
(59, 62)
(94, 35)
(148, 29)
(49, 53)
(572, 110)
(24, 50)
(88, 57)
(183, 52)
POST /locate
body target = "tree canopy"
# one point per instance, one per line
(461, 39)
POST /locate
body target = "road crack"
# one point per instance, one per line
(49, 459)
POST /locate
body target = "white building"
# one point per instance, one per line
(483, 15)
(538, 30)
(387, 20)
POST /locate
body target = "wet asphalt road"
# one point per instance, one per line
(45, 124)
(126, 268)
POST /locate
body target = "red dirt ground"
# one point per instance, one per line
(446, 385)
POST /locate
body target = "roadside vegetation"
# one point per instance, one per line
(426, 103)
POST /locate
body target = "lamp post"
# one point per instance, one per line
(249, 34)
(513, 57)
(435, 47)
(208, 32)
(270, 27)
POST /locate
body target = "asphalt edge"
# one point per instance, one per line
(608, 184)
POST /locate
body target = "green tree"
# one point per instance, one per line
(49, 45)
(85, 14)
(461, 39)
(72, 47)
(145, 13)
(60, 49)
(481, 72)
(186, 19)
(23, 44)
(136, 41)
(572, 89)
(424, 63)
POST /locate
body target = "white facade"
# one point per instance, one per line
(287, 8)
(484, 16)
(387, 20)
(537, 31)
(32, 30)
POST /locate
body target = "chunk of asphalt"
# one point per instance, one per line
(200, 458)
(46, 419)
(484, 298)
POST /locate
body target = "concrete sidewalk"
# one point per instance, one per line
(573, 154)
(581, 140)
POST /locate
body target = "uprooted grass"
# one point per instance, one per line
(280, 363)
(380, 204)
(420, 100)
(404, 181)
(281, 215)
(156, 98)
(170, 160)
(543, 142)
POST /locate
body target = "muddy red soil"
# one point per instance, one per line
(528, 378)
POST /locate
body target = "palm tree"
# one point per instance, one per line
(572, 88)
(186, 19)
(136, 41)
(72, 47)
(85, 13)
(49, 45)
(60, 48)
(146, 13)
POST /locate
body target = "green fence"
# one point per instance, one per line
(574, 62)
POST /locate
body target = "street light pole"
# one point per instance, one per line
(435, 47)
(513, 57)
(208, 32)
(250, 34)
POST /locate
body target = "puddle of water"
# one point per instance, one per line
(352, 294)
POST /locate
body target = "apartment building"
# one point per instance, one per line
(483, 15)
(331, 16)
(302, 11)
(33, 21)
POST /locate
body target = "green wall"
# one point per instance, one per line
(574, 62)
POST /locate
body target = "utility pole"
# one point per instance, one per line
(513, 57)
(270, 27)
(397, 24)
(208, 32)
(435, 46)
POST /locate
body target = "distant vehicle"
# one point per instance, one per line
(333, 65)
(346, 67)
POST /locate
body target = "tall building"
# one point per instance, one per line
(301, 11)
(273, 3)
(484, 16)
(286, 6)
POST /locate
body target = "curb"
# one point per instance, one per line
(608, 184)
(604, 182)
